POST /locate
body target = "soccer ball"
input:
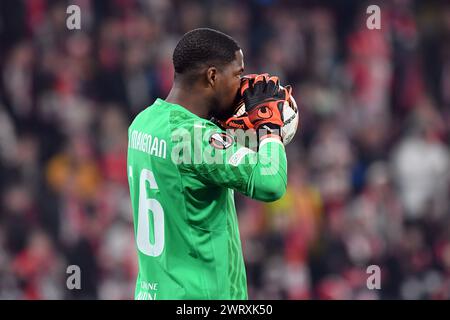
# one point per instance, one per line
(290, 118)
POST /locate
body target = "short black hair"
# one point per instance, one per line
(203, 46)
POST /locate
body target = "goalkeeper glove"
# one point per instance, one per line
(264, 101)
(255, 82)
(241, 121)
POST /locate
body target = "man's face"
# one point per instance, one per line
(228, 84)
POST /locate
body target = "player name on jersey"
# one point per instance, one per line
(147, 143)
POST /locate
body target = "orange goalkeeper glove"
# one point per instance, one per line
(264, 101)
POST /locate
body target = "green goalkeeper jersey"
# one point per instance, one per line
(182, 172)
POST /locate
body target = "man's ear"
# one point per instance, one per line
(211, 75)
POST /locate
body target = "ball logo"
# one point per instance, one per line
(264, 112)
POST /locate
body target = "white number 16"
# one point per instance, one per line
(143, 226)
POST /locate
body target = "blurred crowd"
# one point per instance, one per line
(369, 170)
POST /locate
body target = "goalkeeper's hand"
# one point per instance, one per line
(264, 102)
(236, 122)
(241, 121)
(249, 94)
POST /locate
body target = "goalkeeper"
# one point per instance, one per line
(185, 222)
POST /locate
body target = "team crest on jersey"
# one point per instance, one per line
(220, 140)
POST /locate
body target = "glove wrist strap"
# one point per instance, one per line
(269, 129)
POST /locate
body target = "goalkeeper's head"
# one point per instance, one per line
(209, 64)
